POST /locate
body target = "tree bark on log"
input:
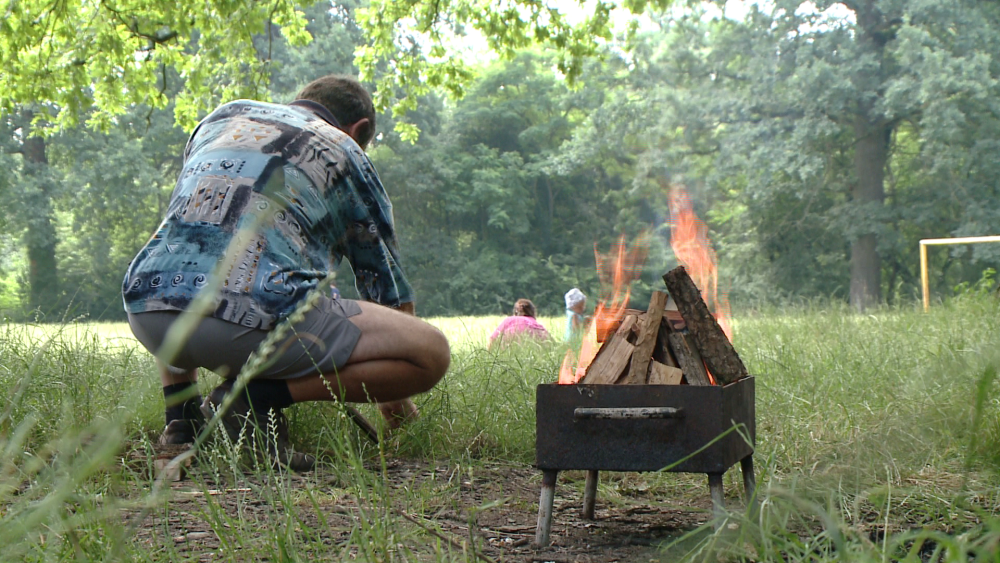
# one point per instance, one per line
(689, 359)
(707, 336)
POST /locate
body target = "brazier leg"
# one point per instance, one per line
(545, 507)
(718, 498)
(749, 483)
(590, 495)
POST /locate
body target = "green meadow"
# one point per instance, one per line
(878, 440)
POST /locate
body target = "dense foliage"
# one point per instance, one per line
(95, 59)
(820, 141)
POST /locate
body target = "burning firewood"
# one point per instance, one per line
(649, 328)
(644, 348)
(661, 351)
(662, 374)
(628, 326)
(690, 360)
(707, 336)
(613, 358)
(677, 339)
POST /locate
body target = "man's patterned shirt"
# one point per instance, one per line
(292, 194)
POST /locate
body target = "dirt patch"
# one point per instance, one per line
(627, 530)
(439, 502)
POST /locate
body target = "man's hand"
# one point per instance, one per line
(398, 413)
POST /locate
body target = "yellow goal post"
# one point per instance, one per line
(924, 243)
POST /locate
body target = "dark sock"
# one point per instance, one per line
(180, 402)
(265, 394)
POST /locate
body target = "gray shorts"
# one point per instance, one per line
(320, 344)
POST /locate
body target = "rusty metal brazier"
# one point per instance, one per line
(677, 428)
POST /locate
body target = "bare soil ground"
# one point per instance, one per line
(439, 501)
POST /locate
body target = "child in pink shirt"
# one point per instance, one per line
(522, 323)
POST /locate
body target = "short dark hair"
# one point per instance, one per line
(524, 308)
(346, 99)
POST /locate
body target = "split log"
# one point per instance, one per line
(649, 328)
(661, 352)
(662, 374)
(613, 357)
(629, 328)
(611, 361)
(608, 326)
(719, 355)
(689, 359)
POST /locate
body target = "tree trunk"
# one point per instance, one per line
(870, 154)
(872, 133)
(543, 190)
(40, 239)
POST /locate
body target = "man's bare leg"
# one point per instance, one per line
(397, 413)
(397, 356)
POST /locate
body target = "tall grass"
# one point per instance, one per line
(880, 430)
(878, 437)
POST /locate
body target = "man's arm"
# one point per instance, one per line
(371, 246)
(408, 308)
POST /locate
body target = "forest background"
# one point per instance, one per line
(820, 141)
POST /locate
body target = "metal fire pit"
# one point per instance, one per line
(678, 428)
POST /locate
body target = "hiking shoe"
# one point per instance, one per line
(278, 444)
(233, 420)
(244, 423)
(180, 431)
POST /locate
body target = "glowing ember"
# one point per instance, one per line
(689, 240)
(617, 270)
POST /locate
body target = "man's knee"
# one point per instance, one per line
(388, 334)
(436, 357)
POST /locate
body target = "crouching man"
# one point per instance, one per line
(270, 200)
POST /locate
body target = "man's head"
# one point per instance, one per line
(348, 101)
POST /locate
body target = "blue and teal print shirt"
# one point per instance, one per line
(271, 198)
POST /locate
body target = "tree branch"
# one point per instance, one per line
(159, 37)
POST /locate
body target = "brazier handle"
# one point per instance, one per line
(637, 413)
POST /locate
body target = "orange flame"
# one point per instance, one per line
(616, 270)
(567, 373)
(689, 240)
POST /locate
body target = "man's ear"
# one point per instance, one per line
(360, 131)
